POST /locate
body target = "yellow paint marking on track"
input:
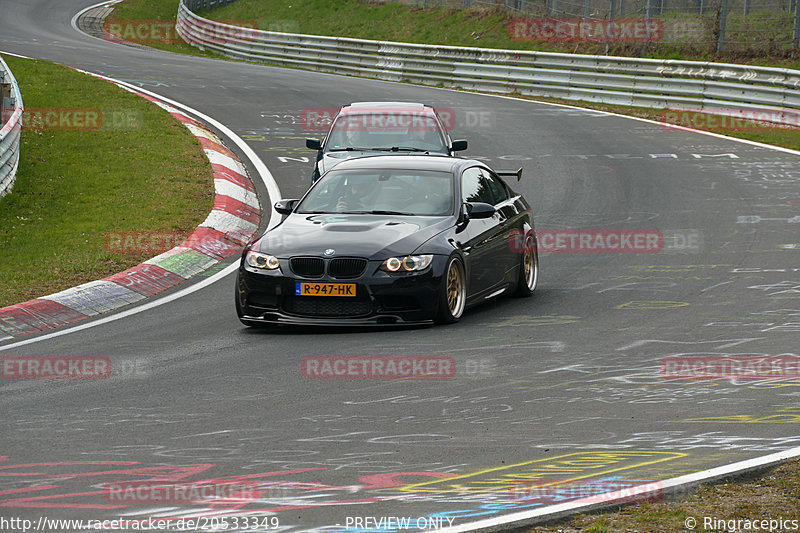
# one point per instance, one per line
(791, 416)
(563, 468)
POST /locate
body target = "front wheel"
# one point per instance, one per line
(453, 293)
(529, 268)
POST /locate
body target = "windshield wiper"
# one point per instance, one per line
(402, 149)
(380, 212)
(352, 149)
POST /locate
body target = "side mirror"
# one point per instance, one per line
(459, 145)
(285, 207)
(478, 210)
(314, 144)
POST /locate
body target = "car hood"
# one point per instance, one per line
(331, 159)
(371, 236)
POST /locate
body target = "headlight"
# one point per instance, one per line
(407, 263)
(261, 261)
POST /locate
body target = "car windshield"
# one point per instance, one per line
(381, 192)
(390, 131)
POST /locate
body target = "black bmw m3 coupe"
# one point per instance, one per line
(391, 240)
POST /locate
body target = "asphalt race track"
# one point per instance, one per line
(566, 387)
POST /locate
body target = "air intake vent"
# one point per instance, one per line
(308, 267)
(346, 267)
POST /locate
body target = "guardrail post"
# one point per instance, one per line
(796, 32)
(611, 15)
(723, 21)
(6, 102)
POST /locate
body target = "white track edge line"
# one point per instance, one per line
(74, 20)
(575, 507)
(15, 55)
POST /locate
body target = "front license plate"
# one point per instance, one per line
(324, 289)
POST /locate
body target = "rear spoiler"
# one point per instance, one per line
(510, 173)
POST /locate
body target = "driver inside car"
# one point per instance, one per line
(354, 195)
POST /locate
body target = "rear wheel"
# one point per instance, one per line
(529, 267)
(453, 293)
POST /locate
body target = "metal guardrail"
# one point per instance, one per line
(10, 127)
(207, 4)
(653, 83)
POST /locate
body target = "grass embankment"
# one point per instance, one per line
(774, 495)
(141, 170)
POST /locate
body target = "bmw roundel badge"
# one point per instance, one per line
(329, 252)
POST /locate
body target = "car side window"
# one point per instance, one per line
(475, 187)
(498, 188)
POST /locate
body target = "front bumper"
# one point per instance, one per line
(381, 299)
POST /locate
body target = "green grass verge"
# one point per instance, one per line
(773, 495)
(142, 170)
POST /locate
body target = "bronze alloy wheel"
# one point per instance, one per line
(531, 265)
(528, 268)
(456, 288)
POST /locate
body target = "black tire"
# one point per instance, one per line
(453, 293)
(528, 276)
